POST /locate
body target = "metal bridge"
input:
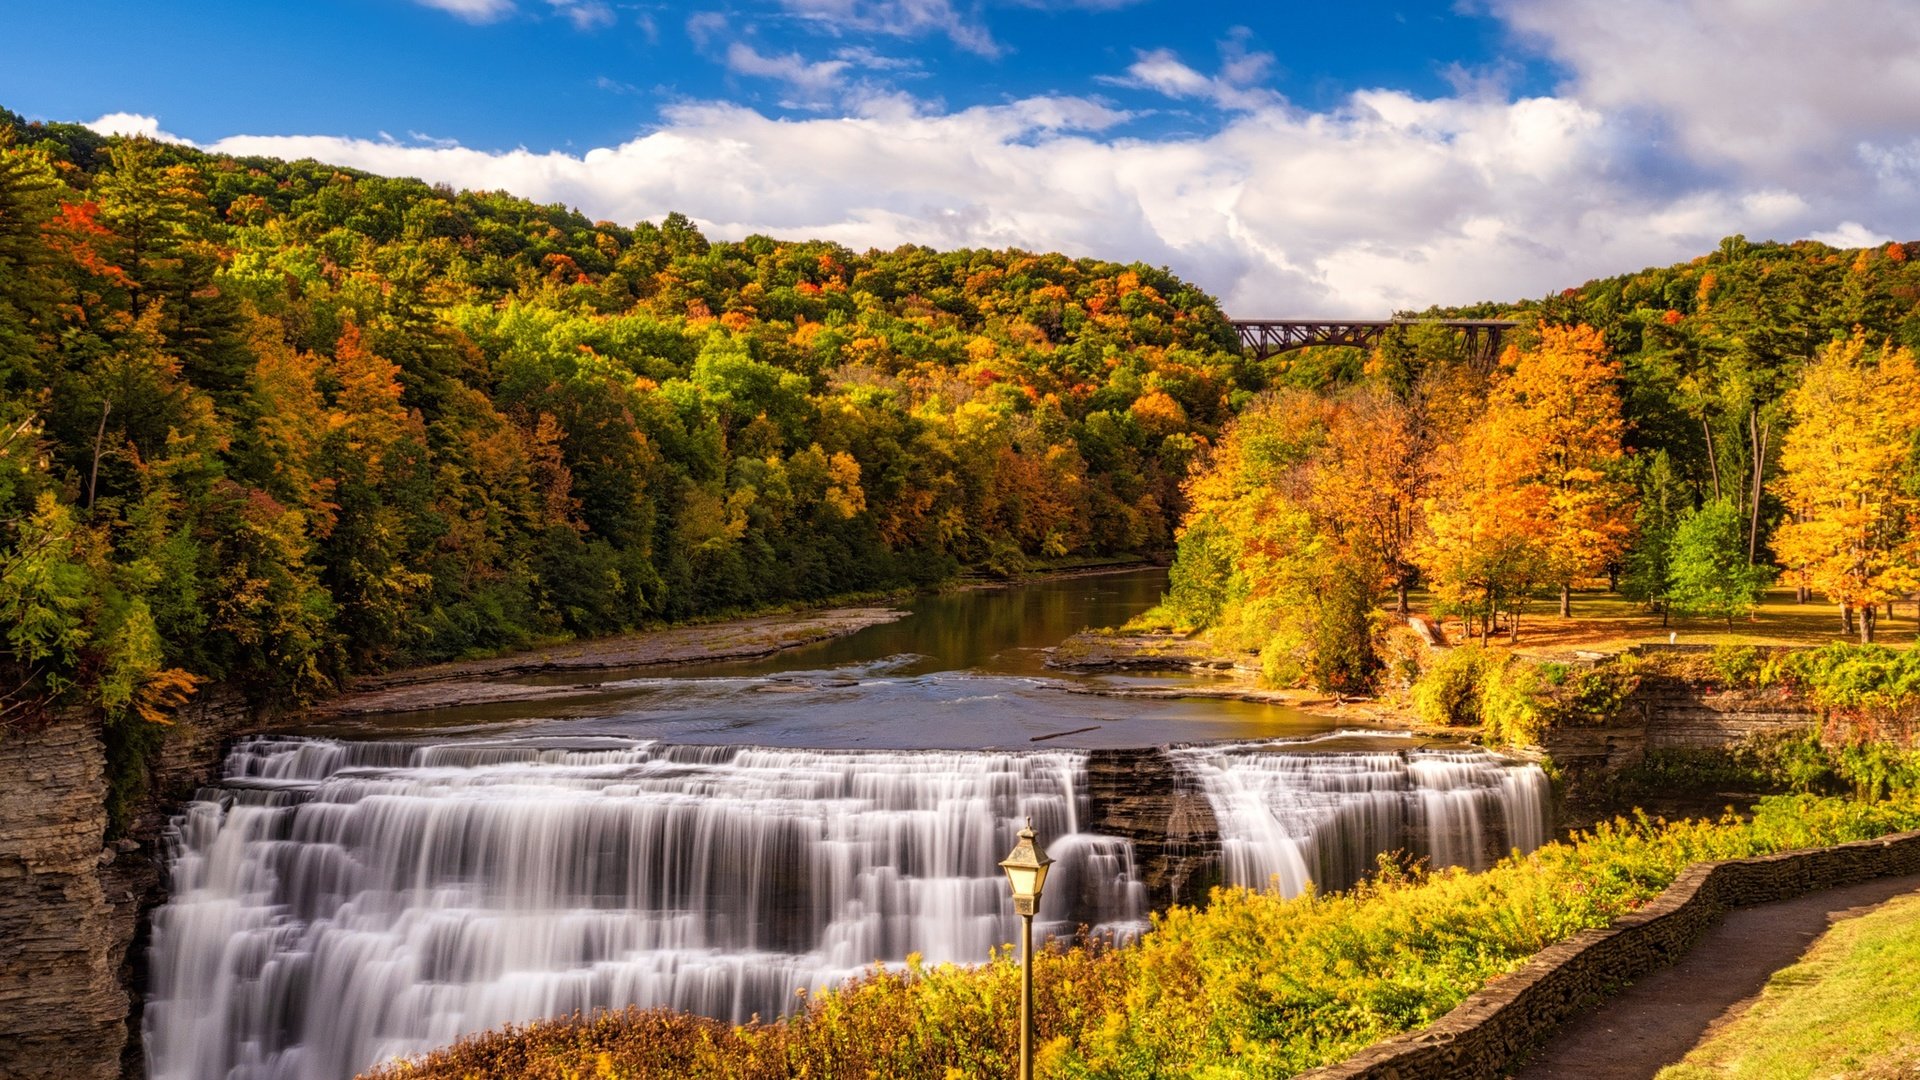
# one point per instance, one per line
(1262, 338)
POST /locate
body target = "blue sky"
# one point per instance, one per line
(1291, 157)
(498, 75)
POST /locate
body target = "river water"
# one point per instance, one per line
(716, 837)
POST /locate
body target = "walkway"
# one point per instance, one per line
(1654, 1022)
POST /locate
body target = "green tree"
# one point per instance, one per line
(1707, 557)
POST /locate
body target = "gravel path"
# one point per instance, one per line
(1654, 1022)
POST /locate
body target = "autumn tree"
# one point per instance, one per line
(1559, 408)
(1849, 477)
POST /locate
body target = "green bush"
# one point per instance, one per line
(1449, 693)
(1513, 708)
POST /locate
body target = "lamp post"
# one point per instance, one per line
(1026, 868)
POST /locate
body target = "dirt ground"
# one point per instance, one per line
(1654, 1022)
(475, 682)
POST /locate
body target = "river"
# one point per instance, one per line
(716, 837)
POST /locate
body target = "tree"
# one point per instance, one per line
(1849, 477)
(1649, 564)
(1707, 557)
(1560, 404)
(1370, 482)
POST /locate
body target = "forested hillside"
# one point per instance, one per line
(271, 423)
(1690, 434)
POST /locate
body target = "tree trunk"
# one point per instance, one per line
(1566, 600)
(1401, 605)
(1867, 612)
(1846, 619)
(1759, 477)
(1713, 462)
(1666, 610)
(93, 478)
(1513, 628)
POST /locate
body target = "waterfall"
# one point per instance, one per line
(1287, 817)
(335, 904)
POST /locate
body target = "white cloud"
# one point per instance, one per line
(478, 11)
(1390, 202)
(1383, 202)
(1234, 88)
(1782, 85)
(132, 124)
(811, 80)
(1851, 234)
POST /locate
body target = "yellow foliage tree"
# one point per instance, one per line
(1848, 475)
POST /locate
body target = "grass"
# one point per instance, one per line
(1609, 622)
(1850, 1007)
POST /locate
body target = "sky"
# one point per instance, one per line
(1294, 158)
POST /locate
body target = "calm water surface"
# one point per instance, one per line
(962, 671)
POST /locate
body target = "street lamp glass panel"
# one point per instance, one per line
(1026, 867)
(1027, 880)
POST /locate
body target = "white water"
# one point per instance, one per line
(1287, 818)
(336, 904)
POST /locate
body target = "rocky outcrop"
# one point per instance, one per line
(1143, 796)
(63, 1009)
(1664, 713)
(72, 906)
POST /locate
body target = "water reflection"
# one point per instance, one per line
(964, 671)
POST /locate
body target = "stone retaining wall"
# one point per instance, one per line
(1487, 1030)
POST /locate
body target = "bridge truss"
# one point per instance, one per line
(1261, 338)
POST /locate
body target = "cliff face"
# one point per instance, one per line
(72, 907)
(1665, 713)
(63, 1010)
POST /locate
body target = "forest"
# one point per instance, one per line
(268, 424)
(1688, 435)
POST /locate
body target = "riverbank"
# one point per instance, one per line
(497, 679)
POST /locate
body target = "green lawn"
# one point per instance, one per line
(1850, 1008)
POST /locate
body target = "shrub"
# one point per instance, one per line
(1449, 692)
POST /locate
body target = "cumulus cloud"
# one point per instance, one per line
(133, 124)
(1770, 84)
(1383, 202)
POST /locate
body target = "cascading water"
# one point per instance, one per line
(336, 904)
(1287, 817)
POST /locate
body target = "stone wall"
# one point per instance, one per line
(72, 906)
(1490, 1028)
